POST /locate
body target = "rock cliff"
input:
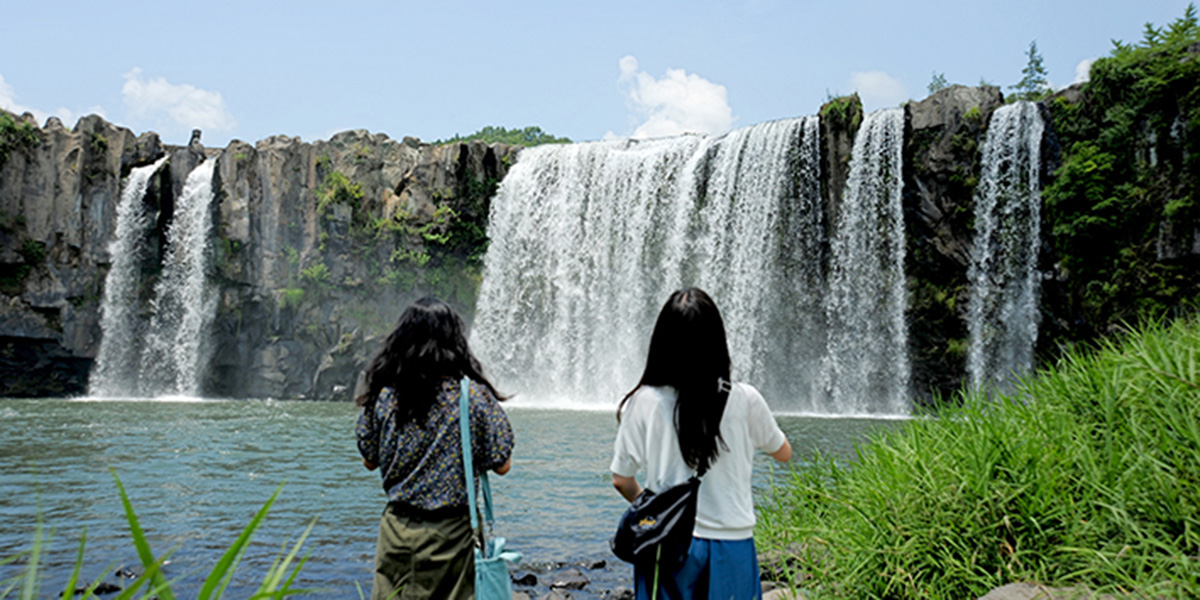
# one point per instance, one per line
(318, 248)
(320, 245)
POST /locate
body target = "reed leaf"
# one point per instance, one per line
(222, 572)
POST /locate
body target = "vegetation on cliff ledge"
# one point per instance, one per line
(1087, 474)
(529, 136)
(1123, 207)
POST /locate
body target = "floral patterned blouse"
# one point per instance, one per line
(421, 462)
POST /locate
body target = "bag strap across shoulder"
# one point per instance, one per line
(464, 426)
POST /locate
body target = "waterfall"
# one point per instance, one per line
(1003, 305)
(588, 240)
(866, 368)
(159, 348)
(121, 325)
(176, 348)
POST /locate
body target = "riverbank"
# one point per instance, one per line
(1088, 473)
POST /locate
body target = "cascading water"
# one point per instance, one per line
(161, 350)
(588, 240)
(176, 348)
(121, 324)
(1003, 305)
(866, 368)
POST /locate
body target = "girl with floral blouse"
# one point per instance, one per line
(409, 431)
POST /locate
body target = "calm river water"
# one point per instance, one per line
(197, 471)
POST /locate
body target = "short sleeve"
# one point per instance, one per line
(628, 448)
(367, 432)
(492, 432)
(764, 431)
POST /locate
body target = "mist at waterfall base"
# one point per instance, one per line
(197, 471)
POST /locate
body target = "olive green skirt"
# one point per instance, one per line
(423, 555)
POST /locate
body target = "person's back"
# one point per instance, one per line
(409, 430)
(685, 417)
(725, 509)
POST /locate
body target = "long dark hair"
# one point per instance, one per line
(428, 345)
(688, 352)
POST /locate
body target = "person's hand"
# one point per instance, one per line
(370, 466)
(504, 468)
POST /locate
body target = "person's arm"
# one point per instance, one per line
(628, 486)
(784, 453)
(493, 434)
(367, 433)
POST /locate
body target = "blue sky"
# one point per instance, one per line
(586, 70)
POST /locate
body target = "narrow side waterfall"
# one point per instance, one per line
(866, 369)
(159, 347)
(588, 240)
(184, 304)
(1003, 307)
(121, 323)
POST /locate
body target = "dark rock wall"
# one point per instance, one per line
(307, 288)
(319, 246)
(943, 141)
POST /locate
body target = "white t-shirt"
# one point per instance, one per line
(646, 440)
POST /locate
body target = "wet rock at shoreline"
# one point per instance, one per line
(570, 579)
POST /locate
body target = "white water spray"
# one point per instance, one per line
(866, 368)
(184, 304)
(1005, 284)
(588, 240)
(121, 324)
(158, 348)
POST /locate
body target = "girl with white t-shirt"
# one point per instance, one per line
(685, 415)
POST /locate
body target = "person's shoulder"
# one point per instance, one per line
(647, 398)
(746, 395)
(744, 390)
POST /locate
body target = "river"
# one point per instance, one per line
(197, 470)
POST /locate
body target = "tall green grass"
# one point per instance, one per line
(1088, 474)
(277, 581)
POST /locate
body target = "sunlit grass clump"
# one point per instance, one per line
(1087, 475)
(277, 581)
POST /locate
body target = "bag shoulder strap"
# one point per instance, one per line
(464, 427)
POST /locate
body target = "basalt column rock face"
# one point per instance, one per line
(58, 195)
(945, 132)
(322, 245)
(317, 247)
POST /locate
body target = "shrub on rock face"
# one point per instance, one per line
(1124, 207)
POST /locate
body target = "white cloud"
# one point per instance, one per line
(676, 104)
(172, 108)
(8, 101)
(878, 90)
(1083, 69)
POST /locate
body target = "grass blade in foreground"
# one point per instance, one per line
(143, 548)
(222, 573)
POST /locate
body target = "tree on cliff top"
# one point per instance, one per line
(529, 136)
(1034, 85)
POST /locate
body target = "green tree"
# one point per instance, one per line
(938, 83)
(1033, 86)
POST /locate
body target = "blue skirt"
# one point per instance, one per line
(714, 569)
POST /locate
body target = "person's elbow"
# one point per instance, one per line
(504, 468)
(627, 486)
(784, 453)
(370, 466)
